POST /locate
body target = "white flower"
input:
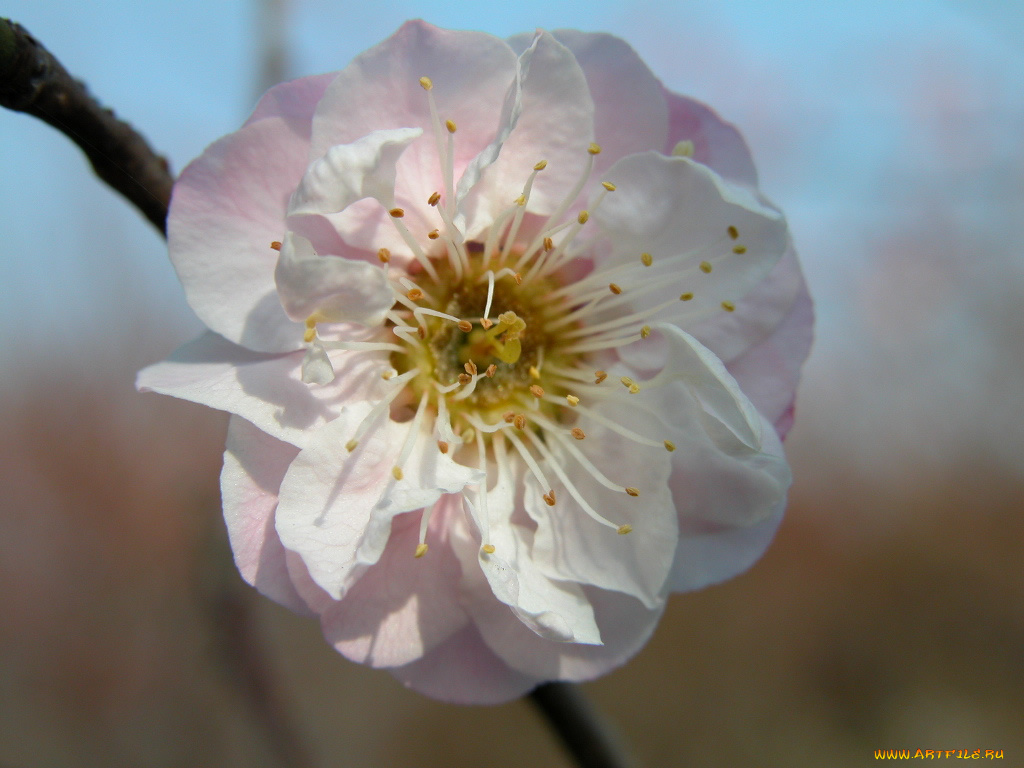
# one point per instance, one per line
(510, 338)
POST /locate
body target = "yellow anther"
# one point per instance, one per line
(433, 234)
(733, 232)
(624, 529)
(537, 390)
(608, 185)
(705, 267)
(632, 491)
(534, 372)
(572, 400)
(450, 125)
(519, 421)
(578, 433)
(549, 244)
(351, 445)
(645, 332)
(491, 370)
(465, 378)
(389, 374)
(594, 149)
(397, 473)
(583, 217)
(415, 294)
(397, 212)
(427, 83)
(739, 250)
(670, 446)
(488, 548)
(634, 388)
(470, 367)
(275, 244)
(309, 334)
(421, 331)
(520, 201)
(312, 320)
(626, 381)
(615, 288)
(468, 435)
(518, 278)
(487, 324)
(540, 166)
(685, 296)
(683, 149)
(646, 259)
(599, 376)
(465, 326)
(728, 306)
(434, 199)
(384, 255)
(421, 550)
(508, 416)
(549, 497)
(442, 446)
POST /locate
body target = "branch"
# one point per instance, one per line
(588, 738)
(34, 82)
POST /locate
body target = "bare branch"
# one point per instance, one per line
(584, 733)
(34, 82)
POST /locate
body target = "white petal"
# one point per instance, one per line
(337, 289)
(336, 507)
(680, 212)
(350, 172)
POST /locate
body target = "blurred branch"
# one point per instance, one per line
(590, 740)
(34, 82)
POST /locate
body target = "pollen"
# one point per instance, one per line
(622, 530)
(470, 368)
(414, 294)
(351, 445)
(433, 234)
(549, 244)
(728, 306)
(434, 199)
(578, 433)
(683, 149)
(686, 296)
(594, 149)
(632, 491)
(615, 288)
(487, 324)
(518, 278)
(572, 400)
(733, 232)
(670, 446)
(549, 497)
(626, 381)
(426, 82)
(491, 370)
(520, 201)
(540, 166)
(520, 421)
(508, 416)
(442, 446)
(389, 374)
(645, 332)
(309, 334)
(646, 259)
(583, 217)
(384, 255)
(488, 548)
(536, 390)
(397, 213)
(450, 125)
(397, 473)
(534, 372)
(465, 378)
(705, 267)
(739, 250)
(421, 550)
(608, 185)
(276, 245)
(599, 376)
(465, 326)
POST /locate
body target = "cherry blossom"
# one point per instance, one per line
(510, 339)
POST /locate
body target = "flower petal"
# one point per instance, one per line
(294, 101)
(555, 610)
(716, 143)
(254, 464)
(336, 289)
(336, 506)
(350, 172)
(402, 607)
(227, 207)
(380, 89)
(683, 214)
(266, 390)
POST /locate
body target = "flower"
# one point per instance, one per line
(510, 339)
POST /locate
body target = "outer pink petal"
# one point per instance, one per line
(463, 670)
(294, 101)
(264, 389)
(380, 89)
(254, 464)
(403, 606)
(631, 114)
(716, 143)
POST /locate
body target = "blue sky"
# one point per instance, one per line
(872, 123)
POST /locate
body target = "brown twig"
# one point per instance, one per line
(584, 733)
(34, 82)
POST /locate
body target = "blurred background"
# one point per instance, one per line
(889, 612)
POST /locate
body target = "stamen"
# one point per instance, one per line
(275, 244)
(398, 384)
(525, 198)
(646, 259)
(411, 437)
(396, 219)
(728, 306)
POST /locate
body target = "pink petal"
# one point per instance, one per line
(716, 143)
(403, 606)
(294, 101)
(254, 464)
